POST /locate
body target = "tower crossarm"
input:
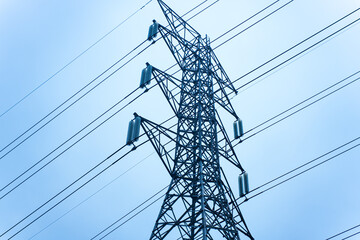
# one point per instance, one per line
(223, 100)
(177, 24)
(221, 76)
(170, 86)
(163, 141)
(225, 86)
(181, 37)
(181, 48)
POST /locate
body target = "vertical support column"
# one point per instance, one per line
(195, 205)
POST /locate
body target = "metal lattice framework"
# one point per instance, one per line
(199, 203)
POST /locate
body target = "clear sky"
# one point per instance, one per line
(37, 38)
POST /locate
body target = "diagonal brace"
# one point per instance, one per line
(165, 82)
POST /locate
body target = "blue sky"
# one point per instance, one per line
(37, 38)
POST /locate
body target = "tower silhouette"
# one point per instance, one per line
(199, 203)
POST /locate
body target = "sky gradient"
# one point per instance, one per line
(38, 38)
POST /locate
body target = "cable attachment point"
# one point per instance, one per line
(134, 147)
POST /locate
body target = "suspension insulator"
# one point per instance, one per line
(153, 29)
(142, 79)
(136, 129)
(238, 129)
(246, 183)
(148, 74)
(130, 133)
(241, 186)
(150, 32)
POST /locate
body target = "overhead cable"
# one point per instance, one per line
(70, 185)
(336, 235)
(62, 111)
(296, 55)
(11, 182)
(352, 235)
(63, 199)
(302, 172)
(83, 88)
(118, 226)
(92, 195)
(297, 111)
(73, 60)
(130, 212)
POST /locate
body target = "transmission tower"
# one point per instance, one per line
(199, 203)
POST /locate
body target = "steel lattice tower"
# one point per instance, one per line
(199, 203)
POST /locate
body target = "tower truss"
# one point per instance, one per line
(199, 203)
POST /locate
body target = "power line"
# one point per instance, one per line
(22, 174)
(60, 200)
(313, 35)
(13, 148)
(296, 45)
(73, 60)
(202, 9)
(70, 139)
(294, 56)
(184, 129)
(277, 9)
(89, 197)
(303, 108)
(242, 31)
(63, 199)
(305, 164)
(77, 180)
(254, 24)
(351, 235)
(343, 232)
(109, 76)
(262, 10)
(26, 171)
(261, 186)
(293, 113)
(62, 104)
(298, 104)
(309, 105)
(313, 159)
(302, 172)
(195, 8)
(292, 108)
(143, 209)
(34, 165)
(133, 210)
(307, 170)
(103, 161)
